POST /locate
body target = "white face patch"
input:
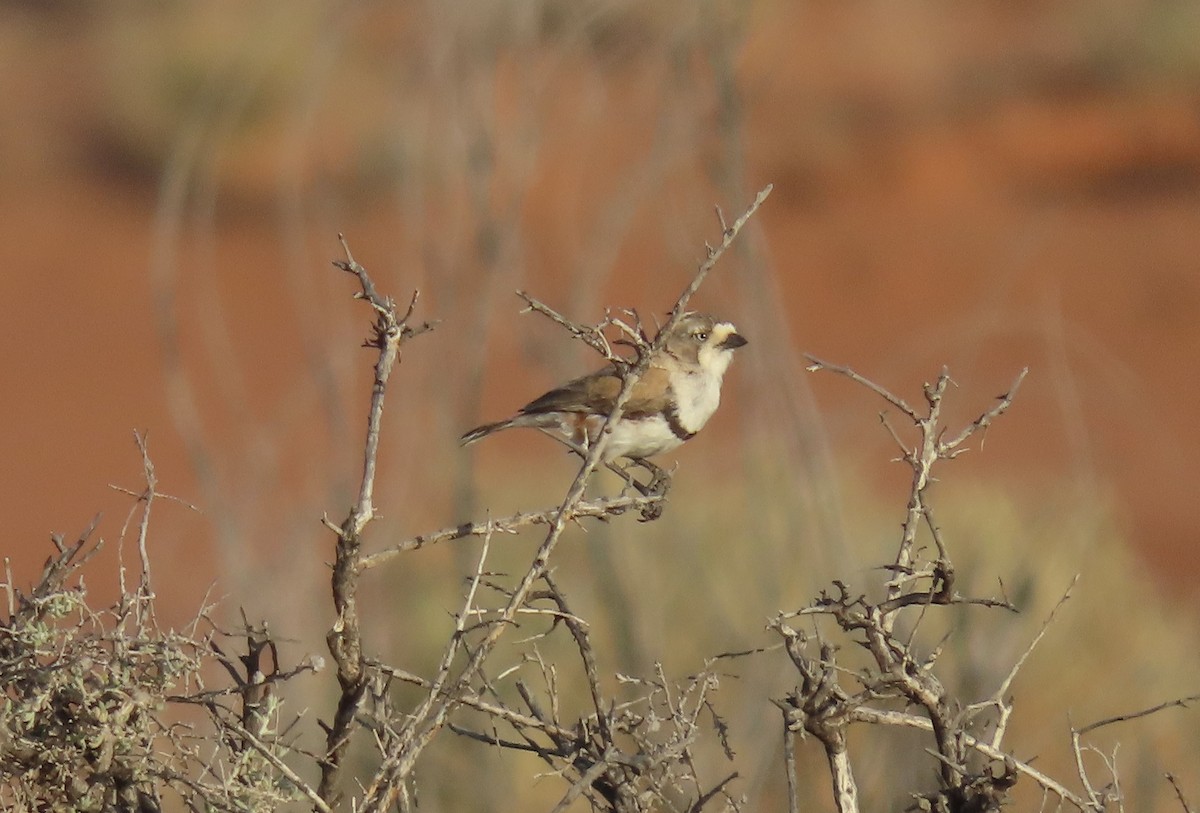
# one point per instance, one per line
(714, 360)
(699, 391)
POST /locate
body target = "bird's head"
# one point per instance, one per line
(703, 341)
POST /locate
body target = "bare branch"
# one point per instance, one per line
(1183, 802)
(896, 718)
(816, 365)
(589, 335)
(389, 332)
(600, 508)
(789, 766)
(583, 783)
(998, 697)
(1179, 702)
(946, 448)
(728, 235)
(705, 798)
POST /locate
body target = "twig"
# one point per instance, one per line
(789, 766)
(585, 780)
(583, 643)
(896, 718)
(600, 508)
(146, 498)
(388, 333)
(1179, 793)
(950, 447)
(58, 569)
(8, 589)
(997, 698)
(344, 639)
(728, 235)
(144, 526)
(310, 664)
(592, 336)
(514, 718)
(1181, 702)
(460, 622)
(705, 798)
(267, 753)
(817, 365)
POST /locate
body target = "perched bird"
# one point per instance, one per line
(670, 403)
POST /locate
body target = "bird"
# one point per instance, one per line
(672, 400)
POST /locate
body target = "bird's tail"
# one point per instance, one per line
(548, 421)
(481, 432)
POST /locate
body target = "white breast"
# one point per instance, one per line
(641, 437)
(699, 395)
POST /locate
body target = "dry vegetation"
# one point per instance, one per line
(780, 637)
(99, 703)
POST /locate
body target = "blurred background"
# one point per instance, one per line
(985, 186)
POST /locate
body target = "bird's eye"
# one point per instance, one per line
(701, 336)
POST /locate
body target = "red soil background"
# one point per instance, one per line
(986, 186)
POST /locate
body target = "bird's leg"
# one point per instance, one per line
(624, 474)
(660, 478)
(660, 482)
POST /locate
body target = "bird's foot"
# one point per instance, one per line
(657, 486)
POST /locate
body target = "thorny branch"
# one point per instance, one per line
(1000, 699)
(922, 455)
(145, 499)
(623, 756)
(600, 508)
(729, 233)
(593, 335)
(1179, 702)
(820, 706)
(1099, 799)
(896, 673)
(389, 333)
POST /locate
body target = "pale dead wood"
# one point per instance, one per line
(600, 508)
(389, 331)
(819, 705)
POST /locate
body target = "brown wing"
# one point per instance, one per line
(595, 394)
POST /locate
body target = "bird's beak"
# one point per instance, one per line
(732, 341)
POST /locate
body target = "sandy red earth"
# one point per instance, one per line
(973, 190)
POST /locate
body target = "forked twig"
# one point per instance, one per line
(997, 700)
(948, 448)
(344, 640)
